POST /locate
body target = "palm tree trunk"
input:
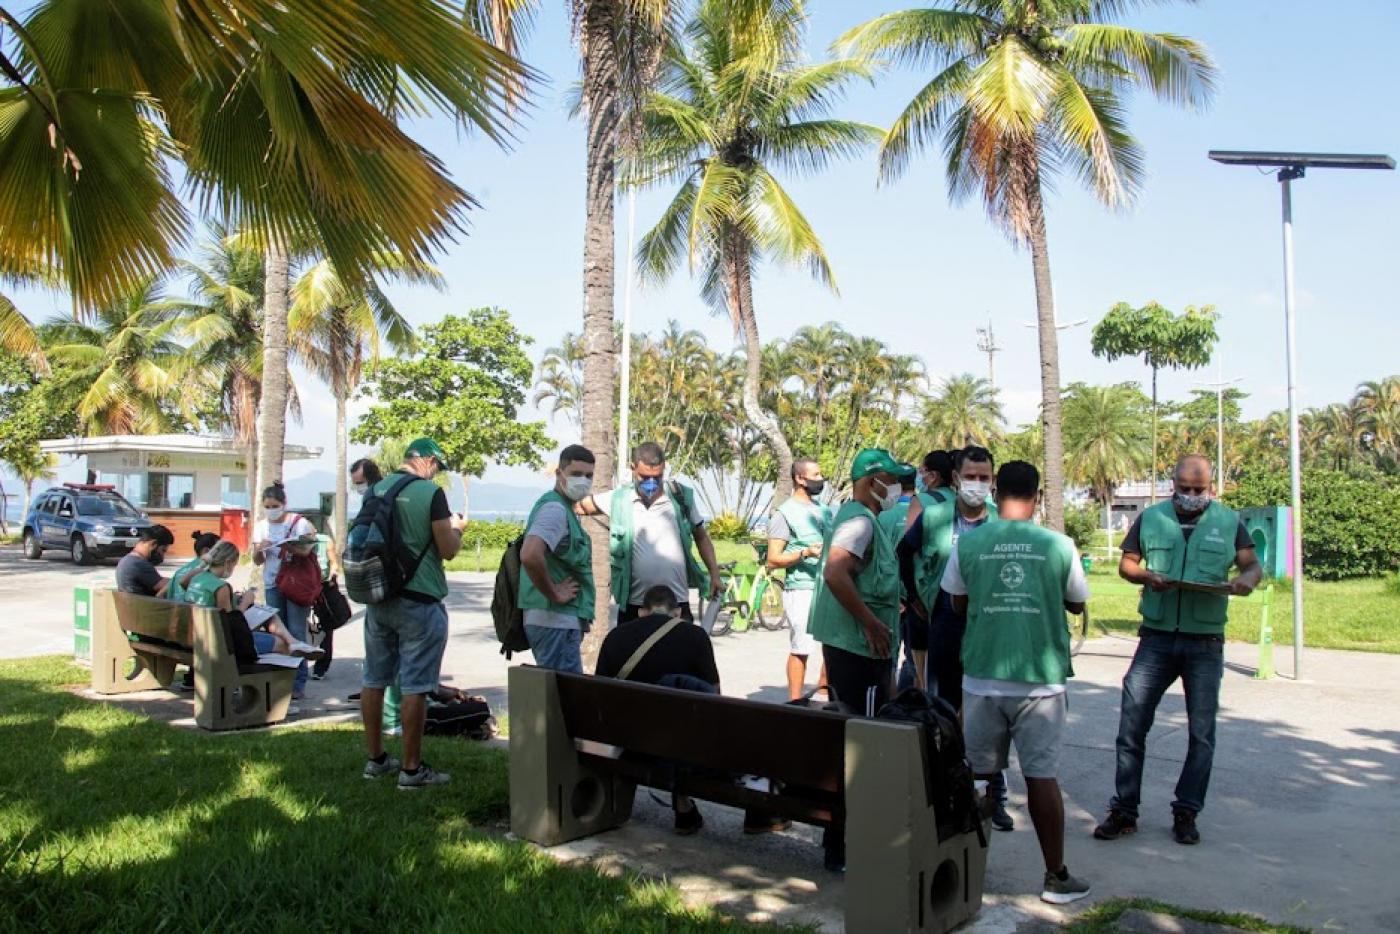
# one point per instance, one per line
(741, 298)
(1054, 466)
(600, 99)
(272, 413)
(342, 466)
(1152, 487)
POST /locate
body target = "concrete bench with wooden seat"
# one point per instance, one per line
(580, 746)
(228, 695)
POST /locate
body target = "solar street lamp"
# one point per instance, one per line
(1290, 166)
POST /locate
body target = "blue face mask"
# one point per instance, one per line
(649, 487)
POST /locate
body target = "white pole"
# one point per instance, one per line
(1294, 449)
(624, 428)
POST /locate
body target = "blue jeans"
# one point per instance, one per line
(294, 616)
(404, 641)
(555, 648)
(1161, 658)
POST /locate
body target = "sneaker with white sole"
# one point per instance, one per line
(305, 650)
(380, 769)
(424, 777)
(1062, 888)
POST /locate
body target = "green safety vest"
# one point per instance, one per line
(204, 589)
(808, 525)
(1015, 574)
(175, 591)
(620, 538)
(878, 586)
(1206, 559)
(574, 560)
(894, 520)
(937, 537)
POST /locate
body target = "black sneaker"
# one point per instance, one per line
(756, 822)
(1061, 888)
(834, 859)
(689, 823)
(1001, 820)
(1116, 825)
(1184, 828)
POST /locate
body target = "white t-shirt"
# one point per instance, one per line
(275, 533)
(1076, 591)
(657, 555)
(551, 526)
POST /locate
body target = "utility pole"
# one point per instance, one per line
(987, 343)
(1219, 386)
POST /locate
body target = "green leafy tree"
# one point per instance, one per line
(338, 330)
(1163, 340)
(464, 387)
(963, 411)
(1022, 88)
(34, 406)
(736, 103)
(1106, 439)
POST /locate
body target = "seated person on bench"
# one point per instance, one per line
(136, 572)
(210, 587)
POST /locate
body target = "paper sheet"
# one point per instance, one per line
(257, 614)
(283, 661)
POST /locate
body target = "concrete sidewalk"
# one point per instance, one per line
(1300, 826)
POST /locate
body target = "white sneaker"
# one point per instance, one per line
(425, 777)
(293, 710)
(305, 650)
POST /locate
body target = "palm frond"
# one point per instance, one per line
(1175, 68)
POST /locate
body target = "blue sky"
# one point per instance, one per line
(920, 274)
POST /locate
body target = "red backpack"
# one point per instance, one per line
(299, 576)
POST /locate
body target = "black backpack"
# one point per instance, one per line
(950, 789)
(470, 718)
(505, 602)
(376, 561)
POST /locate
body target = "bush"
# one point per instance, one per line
(1082, 525)
(491, 533)
(1351, 524)
(728, 527)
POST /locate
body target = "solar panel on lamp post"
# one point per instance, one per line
(1290, 166)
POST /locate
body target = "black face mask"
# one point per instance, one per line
(814, 487)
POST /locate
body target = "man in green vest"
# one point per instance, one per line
(795, 536)
(935, 478)
(1014, 580)
(1192, 539)
(654, 528)
(556, 586)
(405, 635)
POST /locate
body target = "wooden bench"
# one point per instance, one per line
(227, 695)
(863, 778)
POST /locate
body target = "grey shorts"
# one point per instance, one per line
(1035, 724)
(404, 641)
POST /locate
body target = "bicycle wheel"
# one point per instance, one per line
(771, 614)
(728, 620)
(1078, 630)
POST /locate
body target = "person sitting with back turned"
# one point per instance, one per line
(659, 647)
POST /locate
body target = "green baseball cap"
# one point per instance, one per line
(906, 471)
(873, 460)
(425, 447)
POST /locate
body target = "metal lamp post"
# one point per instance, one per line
(1291, 166)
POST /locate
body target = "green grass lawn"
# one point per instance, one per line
(111, 821)
(1363, 615)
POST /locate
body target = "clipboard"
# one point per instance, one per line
(1222, 590)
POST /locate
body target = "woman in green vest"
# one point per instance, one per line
(210, 588)
(1190, 538)
(795, 536)
(556, 564)
(203, 541)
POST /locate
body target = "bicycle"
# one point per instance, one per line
(751, 595)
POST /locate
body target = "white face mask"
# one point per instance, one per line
(576, 488)
(275, 513)
(360, 488)
(974, 492)
(890, 498)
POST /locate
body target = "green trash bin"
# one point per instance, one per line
(82, 624)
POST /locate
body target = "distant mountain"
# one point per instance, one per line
(489, 500)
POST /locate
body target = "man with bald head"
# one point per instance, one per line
(1191, 538)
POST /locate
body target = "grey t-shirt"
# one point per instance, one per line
(854, 535)
(551, 526)
(657, 556)
(137, 575)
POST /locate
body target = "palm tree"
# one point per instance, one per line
(964, 411)
(1106, 440)
(1023, 87)
(1377, 403)
(138, 378)
(338, 329)
(817, 352)
(735, 104)
(559, 379)
(17, 335)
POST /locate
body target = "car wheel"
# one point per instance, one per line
(81, 553)
(32, 551)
